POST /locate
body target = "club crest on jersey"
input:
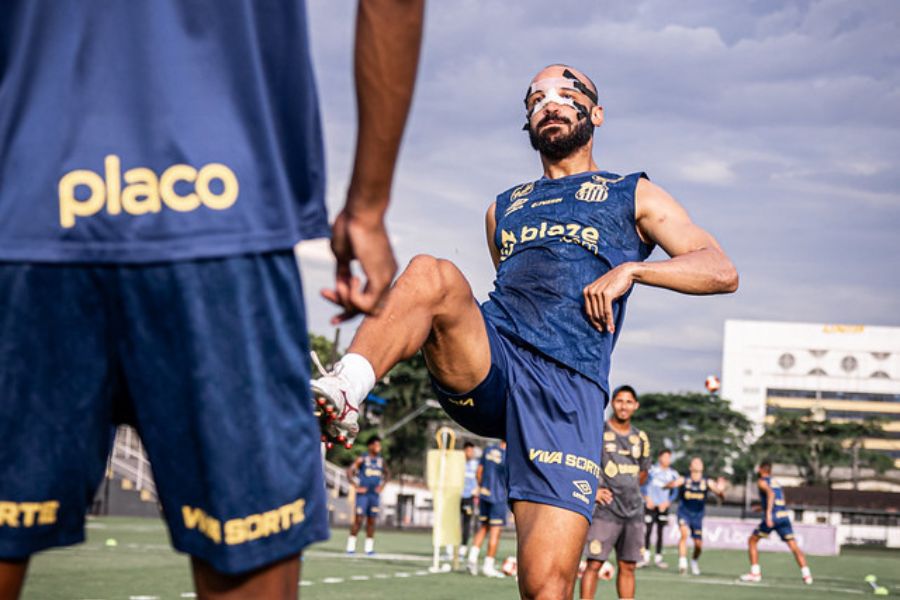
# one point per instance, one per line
(591, 191)
(521, 191)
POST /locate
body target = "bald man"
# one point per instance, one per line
(531, 364)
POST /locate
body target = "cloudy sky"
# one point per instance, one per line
(775, 123)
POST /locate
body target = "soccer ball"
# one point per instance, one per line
(713, 384)
(510, 566)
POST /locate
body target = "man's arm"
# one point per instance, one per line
(677, 483)
(388, 38)
(490, 226)
(718, 486)
(353, 469)
(697, 264)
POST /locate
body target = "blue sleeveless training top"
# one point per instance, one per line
(150, 130)
(371, 472)
(693, 495)
(555, 237)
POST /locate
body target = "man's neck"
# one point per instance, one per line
(580, 161)
(620, 426)
(696, 475)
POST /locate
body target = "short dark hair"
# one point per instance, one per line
(468, 445)
(766, 464)
(624, 388)
(373, 439)
(663, 451)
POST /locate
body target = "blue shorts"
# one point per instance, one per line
(693, 521)
(781, 526)
(207, 359)
(550, 416)
(368, 504)
(492, 513)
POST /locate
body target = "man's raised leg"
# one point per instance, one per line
(430, 307)
(546, 574)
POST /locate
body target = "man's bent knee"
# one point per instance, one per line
(434, 278)
(555, 586)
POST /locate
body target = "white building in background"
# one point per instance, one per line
(840, 371)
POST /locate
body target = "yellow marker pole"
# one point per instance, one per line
(446, 471)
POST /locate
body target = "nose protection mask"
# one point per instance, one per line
(558, 90)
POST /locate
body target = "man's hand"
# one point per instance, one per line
(604, 496)
(361, 490)
(378, 488)
(769, 521)
(600, 295)
(386, 55)
(364, 240)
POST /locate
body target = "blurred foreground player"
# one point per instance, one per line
(692, 493)
(492, 497)
(372, 474)
(531, 364)
(619, 510)
(775, 518)
(159, 160)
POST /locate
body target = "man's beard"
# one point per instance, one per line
(561, 146)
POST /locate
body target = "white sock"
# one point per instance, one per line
(659, 558)
(358, 371)
(351, 543)
(682, 562)
(463, 550)
(473, 554)
(805, 571)
(754, 570)
(694, 562)
(370, 545)
(488, 563)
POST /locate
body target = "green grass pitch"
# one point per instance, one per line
(142, 566)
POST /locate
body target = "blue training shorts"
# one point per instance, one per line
(368, 504)
(781, 526)
(693, 521)
(550, 416)
(492, 513)
(206, 358)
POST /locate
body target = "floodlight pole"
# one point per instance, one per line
(409, 417)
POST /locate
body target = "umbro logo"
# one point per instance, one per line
(585, 491)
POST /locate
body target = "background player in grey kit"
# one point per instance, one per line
(531, 365)
(619, 512)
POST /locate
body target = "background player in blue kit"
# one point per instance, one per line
(372, 475)
(531, 364)
(775, 518)
(657, 501)
(692, 494)
(159, 160)
(492, 496)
